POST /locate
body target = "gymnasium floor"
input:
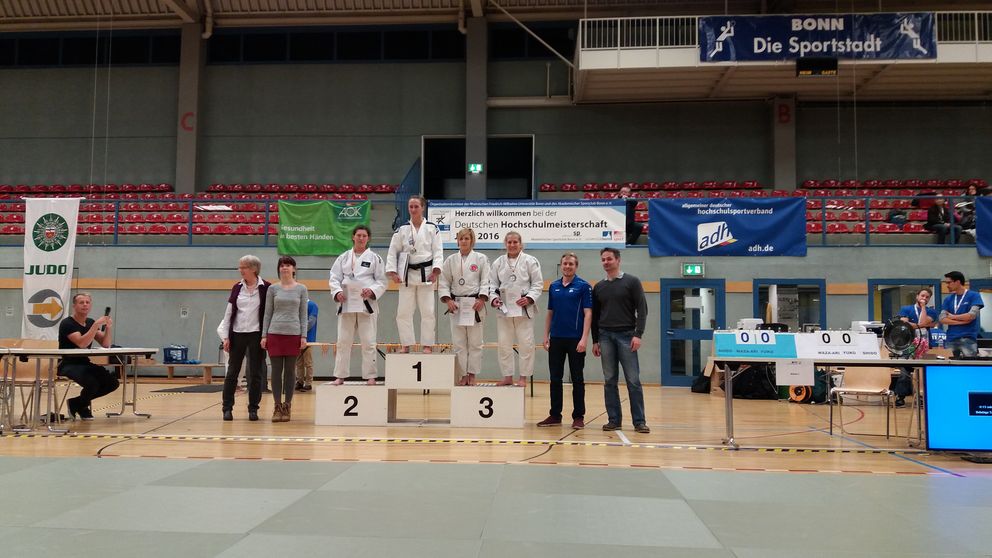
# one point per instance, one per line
(185, 483)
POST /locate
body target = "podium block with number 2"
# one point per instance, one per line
(350, 404)
(420, 371)
(487, 406)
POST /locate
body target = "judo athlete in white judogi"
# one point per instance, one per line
(515, 284)
(358, 280)
(416, 244)
(465, 280)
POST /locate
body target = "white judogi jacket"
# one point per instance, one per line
(366, 269)
(423, 246)
(509, 281)
(473, 269)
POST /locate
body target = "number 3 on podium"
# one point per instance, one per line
(487, 407)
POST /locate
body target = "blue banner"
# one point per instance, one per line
(983, 225)
(727, 227)
(892, 36)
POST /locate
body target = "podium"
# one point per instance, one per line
(354, 404)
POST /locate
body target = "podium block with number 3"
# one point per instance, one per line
(487, 406)
(351, 404)
(420, 371)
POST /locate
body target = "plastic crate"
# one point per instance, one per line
(175, 354)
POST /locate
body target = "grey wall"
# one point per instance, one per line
(893, 141)
(677, 141)
(54, 126)
(325, 122)
(151, 318)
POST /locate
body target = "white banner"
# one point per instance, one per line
(49, 247)
(573, 224)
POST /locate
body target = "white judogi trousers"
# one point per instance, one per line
(366, 326)
(421, 297)
(521, 331)
(467, 344)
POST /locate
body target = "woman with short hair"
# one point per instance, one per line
(241, 332)
(465, 280)
(515, 284)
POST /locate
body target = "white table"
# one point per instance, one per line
(53, 356)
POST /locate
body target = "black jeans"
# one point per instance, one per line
(242, 343)
(96, 380)
(557, 351)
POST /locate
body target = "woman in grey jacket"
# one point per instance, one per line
(284, 334)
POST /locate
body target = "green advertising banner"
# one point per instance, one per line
(321, 228)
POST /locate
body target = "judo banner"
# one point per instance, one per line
(49, 250)
(566, 224)
(983, 225)
(727, 227)
(890, 36)
(321, 228)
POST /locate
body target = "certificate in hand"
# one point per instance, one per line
(353, 301)
(512, 309)
(466, 314)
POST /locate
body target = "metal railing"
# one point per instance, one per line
(682, 31)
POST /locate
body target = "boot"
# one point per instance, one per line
(277, 413)
(285, 411)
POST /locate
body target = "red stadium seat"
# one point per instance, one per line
(829, 183)
(244, 229)
(918, 215)
(860, 228)
(850, 184)
(569, 187)
(711, 185)
(849, 216)
(158, 228)
(913, 228)
(311, 188)
(814, 227)
(347, 188)
(135, 229)
(888, 228)
(750, 184)
(669, 185)
(201, 229)
(133, 217)
(876, 216)
(651, 186)
(548, 187)
(179, 229)
(155, 218)
(811, 184)
(590, 187)
(838, 228)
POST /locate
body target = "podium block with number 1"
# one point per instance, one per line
(420, 371)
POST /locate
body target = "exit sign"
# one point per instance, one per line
(475, 168)
(693, 270)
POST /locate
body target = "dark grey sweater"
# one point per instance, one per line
(619, 305)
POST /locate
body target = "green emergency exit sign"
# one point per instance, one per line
(475, 168)
(693, 270)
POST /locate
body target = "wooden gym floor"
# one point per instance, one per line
(686, 433)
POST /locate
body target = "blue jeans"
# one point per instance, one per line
(614, 347)
(963, 346)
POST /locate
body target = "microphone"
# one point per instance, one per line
(106, 312)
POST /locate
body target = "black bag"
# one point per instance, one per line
(897, 216)
(701, 384)
(756, 382)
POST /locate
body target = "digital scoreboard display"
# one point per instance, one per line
(958, 407)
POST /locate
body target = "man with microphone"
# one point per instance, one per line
(78, 331)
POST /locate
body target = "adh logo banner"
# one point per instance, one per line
(321, 228)
(727, 227)
(49, 248)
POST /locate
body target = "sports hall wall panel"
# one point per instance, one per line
(325, 122)
(645, 142)
(909, 140)
(54, 126)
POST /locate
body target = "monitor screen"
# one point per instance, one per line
(958, 407)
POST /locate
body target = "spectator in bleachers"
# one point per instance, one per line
(634, 229)
(284, 334)
(465, 280)
(241, 331)
(414, 263)
(939, 222)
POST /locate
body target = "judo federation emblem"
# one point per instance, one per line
(50, 232)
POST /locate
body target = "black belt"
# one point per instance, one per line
(422, 266)
(368, 307)
(476, 295)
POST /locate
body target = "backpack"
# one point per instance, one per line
(757, 382)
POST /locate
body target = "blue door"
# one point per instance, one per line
(691, 309)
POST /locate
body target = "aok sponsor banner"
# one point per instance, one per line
(579, 224)
(887, 36)
(49, 250)
(727, 227)
(321, 228)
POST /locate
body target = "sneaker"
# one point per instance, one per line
(578, 424)
(299, 387)
(900, 401)
(550, 421)
(642, 428)
(609, 427)
(308, 387)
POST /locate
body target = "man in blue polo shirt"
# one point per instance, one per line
(959, 313)
(565, 332)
